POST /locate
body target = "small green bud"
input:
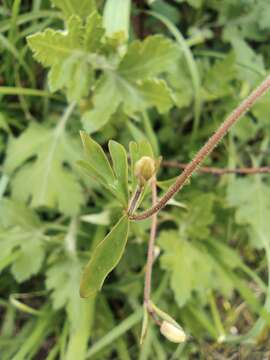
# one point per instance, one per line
(172, 332)
(144, 169)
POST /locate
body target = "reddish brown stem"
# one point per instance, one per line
(219, 171)
(150, 254)
(206, 149)
(134, 200)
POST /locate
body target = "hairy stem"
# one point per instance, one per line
(150, 255)
(206, 149)
(219, 171)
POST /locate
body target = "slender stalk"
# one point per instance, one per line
(150, 256)
(134, 200)
(206, 149)
(219, 171)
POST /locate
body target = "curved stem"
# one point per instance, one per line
(206, 149)
(220, 171)
(150, 253)
(150, 258)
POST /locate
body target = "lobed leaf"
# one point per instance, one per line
(191, 268)
(69, 7)
(52, 184)
(68, 53)
(148, 58)
(21, 238)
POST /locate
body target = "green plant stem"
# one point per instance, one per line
(11, 90)
(70, 239)
(43, 326)
(206, 149)
(216, 317)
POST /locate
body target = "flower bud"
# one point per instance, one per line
(144, 169)
(172, 332)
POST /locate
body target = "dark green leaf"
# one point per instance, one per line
(104, 258)
(97, 159)
(120, 166)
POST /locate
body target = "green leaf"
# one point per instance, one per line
(191, 268)
(251, 197)
(94, 32)
(148, 58)
(70, 7)
(51, 180)
(199, 217)
(146, 94)
(261, 112)
(104, 259)
(51, 47)
(21, 235)
(112, 90)
(97, 159)
(68, 54)
(63, 279)
(248, 58)
(106, 100)
(120, 167)
(102, 218)
(216, 86)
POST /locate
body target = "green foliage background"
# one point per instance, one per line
(168, 75)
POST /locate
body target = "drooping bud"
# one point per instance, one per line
(144, 169)
(172, 332)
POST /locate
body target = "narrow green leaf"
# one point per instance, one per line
(104, 258)
(133, 151)
(120, 166)
(97, 159)
(145, 149)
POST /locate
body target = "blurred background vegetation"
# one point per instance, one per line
(214, 237)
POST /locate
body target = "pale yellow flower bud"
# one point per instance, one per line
(144, 169)
(172, 332)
